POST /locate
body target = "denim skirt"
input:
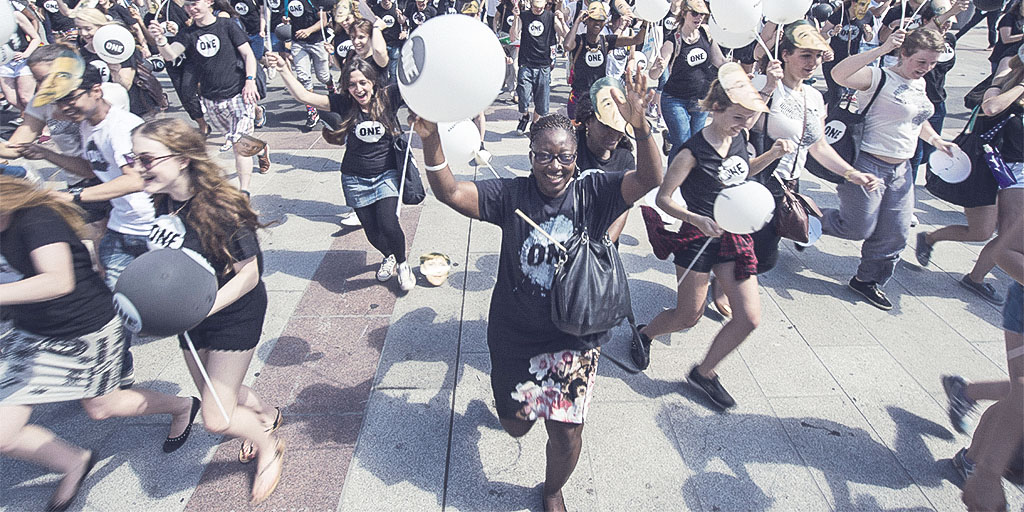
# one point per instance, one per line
(361, 191)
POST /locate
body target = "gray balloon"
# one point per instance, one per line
(165, 292)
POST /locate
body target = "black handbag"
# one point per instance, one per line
(980, 187)
(412, 188)
(589, 292)
(844, 131)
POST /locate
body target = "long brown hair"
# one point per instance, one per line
(380, 101)
(18, 194)
(218, 209)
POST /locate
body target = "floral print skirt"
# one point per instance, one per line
(555, 386)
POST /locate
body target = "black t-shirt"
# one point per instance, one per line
(691, 73)
(213, 49)
(1015, 22)
(342, 46)
(519, 323)
(176, 13)
(249, 14)
(591, 58)
(305, 14)
(58, 21)
(622, 159)
(712, 173)
(537, 38)
(504, 14)
(276, 8)
(935, 80)
(847, 41)
(175, 232)
(445, 7)
(415, 17)
(86, 309)
(369, 143)
(392, 28)
(1011, 138)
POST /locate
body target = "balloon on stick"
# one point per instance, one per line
(114, 43)
(8, 25)
(729, 39)
(744, 208)
(737, 16)
(651, 10)
(451, 68)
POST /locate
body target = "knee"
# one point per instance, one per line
(97, 408)
(564, 436)
(213, 420)
(747, 321)
(516, 427)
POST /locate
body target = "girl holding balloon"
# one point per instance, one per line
(713, 159)
(67, 341)
(197, 210)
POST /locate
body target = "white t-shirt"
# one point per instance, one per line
(65, 133)
(105, 146)
(893, 125)
(797, 116)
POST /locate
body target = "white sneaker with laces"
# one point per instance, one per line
(406, 279)
(387, 268)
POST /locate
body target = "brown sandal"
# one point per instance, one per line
(278, 456)
(247, 452)
(264, 160)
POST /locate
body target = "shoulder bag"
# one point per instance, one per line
(980, 187)
(844, 131)
(792, 209)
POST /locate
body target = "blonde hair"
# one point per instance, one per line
(92, 16)
(18, 194)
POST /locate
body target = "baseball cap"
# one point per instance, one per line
(803, 35)
(738, 87)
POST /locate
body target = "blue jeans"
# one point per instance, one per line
(116, 251)
(394, 53)
(924, 150)
(276, 44)
(258, 49)
(683, 118)
(534, 83)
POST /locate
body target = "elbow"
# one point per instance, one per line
(990, 108)
(63, 286)
(650, 180)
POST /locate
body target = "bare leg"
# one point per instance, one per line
(692, 295)
(243, 164)
(981, 223)
(515, 426)
(123, 403)
(746, 316)
(1011, 207)
(38, 445)
(26, 87)
(565, 441)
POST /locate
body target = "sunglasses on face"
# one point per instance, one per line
(146, 161)
(544, 158)
(68, 100)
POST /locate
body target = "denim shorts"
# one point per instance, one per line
(361, 191)
(1013, 310)
(116, 251)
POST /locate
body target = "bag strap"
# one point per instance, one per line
(989, 135)
(974, 118)
(881, 83)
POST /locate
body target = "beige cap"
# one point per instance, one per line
(697, 6)
(738, 87)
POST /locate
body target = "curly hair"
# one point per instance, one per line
(218, 209)
(380, 101)
(549, 123)
(19, 194)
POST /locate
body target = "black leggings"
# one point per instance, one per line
(382, 229)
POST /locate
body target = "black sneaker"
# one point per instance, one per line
(960, 406)
(523, 123)
(712, 388)
(984, 290)
(640, 349)
(666, 147)
(127, 371)
(923, 251)
(872, 293)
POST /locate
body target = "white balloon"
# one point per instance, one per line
(782, 12)
(116, 95)
(737, 16)
(651, 10)
(451, 68)
(113, 43)
(460, 141)
(813, 232)
(745, 208)
(7, 23)
(727, 39)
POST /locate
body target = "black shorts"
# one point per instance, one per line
(238, 331)
(705, 261)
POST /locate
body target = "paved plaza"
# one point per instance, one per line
(387, 402)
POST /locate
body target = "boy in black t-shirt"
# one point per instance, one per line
(220, 52)
(417, 13)
(537, 31)
(309, 19)
(394, 32)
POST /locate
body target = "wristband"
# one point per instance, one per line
(250, 77)
(846, 175)
(434, 168)
(76, 194)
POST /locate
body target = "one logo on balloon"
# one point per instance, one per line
(834, 131)
(114, 47)
(207, 45)
(241, 8)
(369, 131)
(157, 63)
(696, 57)
(103, 68)
(51, 6)
(343, 48)
(733, 171)
(594, 58)
(128, 313)
(418, 17)
(536, 28)
(295, 9)
(411, 64)
(389, 20)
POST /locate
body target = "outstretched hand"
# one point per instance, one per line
(633, 105)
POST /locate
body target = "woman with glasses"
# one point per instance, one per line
(537, 371)
(692, 59)
(198, 211)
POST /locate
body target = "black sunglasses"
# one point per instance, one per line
(546, 158)
(146, 161)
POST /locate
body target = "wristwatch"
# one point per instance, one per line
(76, 193)
(250, 77)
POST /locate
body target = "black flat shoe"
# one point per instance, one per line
(61, 507)
(173, 443)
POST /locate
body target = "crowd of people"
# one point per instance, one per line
(727, 115)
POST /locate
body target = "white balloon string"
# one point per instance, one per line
(206, 378)
(701, 251)
(778, 40)
(903, 12)
(267, 45)
(764, 45)
(323, 31)
(912, 16)
(405, 169)
(488, 164)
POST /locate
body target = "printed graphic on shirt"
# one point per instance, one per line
(418, 17)
(915, 100)
(671, 23)
(295, 9)
(167, 232)
(834, 130)
(95, 157)
(793, 109)
(274, 4)
(343, 48)
(733, 171)
(594, 58)
(51, 6)
(369, 131)
(696, 57)
(389, 20)
(849, 32)
(538, 255)
(208, 45)
(8, 274)
(536, 28)
(241, 8)
(947, 54)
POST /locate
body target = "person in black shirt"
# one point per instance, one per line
(417, 12)
(308, 19)
(537, 371)
(714, 158)
(366, 42)
(370, 172)
(182, 73)
(67, 340)
(602, 144)
(394, 32)
(536, 29)
(1011, 33)
(61, 26)
(198, 211)
(223, 59)
(846, 33)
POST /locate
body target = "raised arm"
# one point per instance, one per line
(995, 102)
(853, 71)
(635, 184)
(293, 85)
(168, 51)
(462, 196)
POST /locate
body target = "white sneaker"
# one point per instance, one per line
(913, 221)
(387, 269)
(406, 279)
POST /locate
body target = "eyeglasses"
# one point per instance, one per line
(146, 161)
(546, 158)
(67, 100)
